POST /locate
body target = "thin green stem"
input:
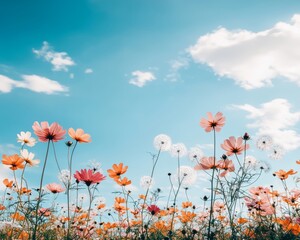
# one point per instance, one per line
(34, 237)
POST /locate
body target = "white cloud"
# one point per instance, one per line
(176, 66)
(275, 118)
(59, 60)
(9, 149)
(88, 71)
(141, 78)
(34, 83)
(252, 59)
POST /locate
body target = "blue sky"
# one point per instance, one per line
(125, 71)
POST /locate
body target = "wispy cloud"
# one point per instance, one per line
(276, 119)
(88, 71)
(140, 78)
(252, 59)
(59, 60)
(34, 83)
(9, 149)
(176, 66)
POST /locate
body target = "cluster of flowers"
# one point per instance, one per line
(233, 209)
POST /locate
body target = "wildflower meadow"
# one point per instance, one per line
(234, 208)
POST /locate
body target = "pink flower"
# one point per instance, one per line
(226, 165)
(88, 176)
(44, 132)
(234, 146)
(206, 163)
(211, 123)
(55, 188)
(219, 206)
(153, 209)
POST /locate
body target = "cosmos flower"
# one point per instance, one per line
(15, 161)
(187, 176)
(46, 212)
(178, 150)
(226, 165)
(206, 163)
(211, 122)
(283, 174)
(262, 165)
(162, 142)
(146, 182)
(96, 166)
(25, 139)
(195, 154)
(117, 170)
(88, 176)
(153, 209)
(7, 183)
(276, 153)
(250, 162)
(79, 135)
(28, 158)
(123, 182)
(55, 188)
(64, 176)
(54, 132)
(234, 146)
(264, 142)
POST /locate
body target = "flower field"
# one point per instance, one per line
(234, 207)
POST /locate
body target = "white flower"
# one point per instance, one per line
(162, 142)
(64, 176)
(263, 166)
(264, 142)
(95, 166)
(250, 162)
(178, 150)
(6, 224)
(195, 154)
(25, 138)
(187, 176)
(99, 200)
(28, 157)
(146, 182)
(277, 152)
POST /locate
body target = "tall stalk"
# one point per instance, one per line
(212, 191)
(40, 194)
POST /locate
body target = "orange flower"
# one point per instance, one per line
(14, 161)
(242, 220)
(142, 196)
(123, 182)
(101, 206)
(119, 200)
(283, 174)
(24, 236)
(8, 183)
(17, 216)
(2, 207)
(186, 216)
(186, 204)
(24, 190)
(117, 170)
(79, 135)
(298, 161)
(119, 208)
